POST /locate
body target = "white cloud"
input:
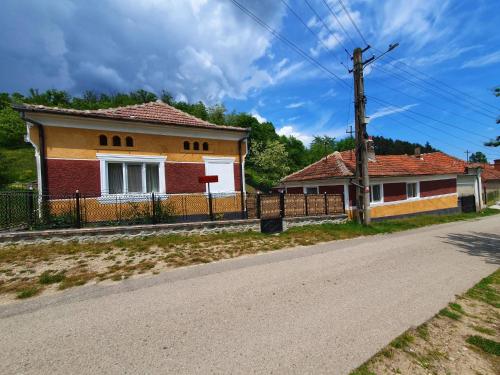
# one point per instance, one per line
(492, 58)
(206, 50)
(390, 110)
(256, 115)
(290, 131)
(295, 105)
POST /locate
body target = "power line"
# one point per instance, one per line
(453, 97)
(403, 113)
(307, 26)
(338, 21)
(426, 89)
(327, 28)
(353, 23)
(288, 42)
(438, 108)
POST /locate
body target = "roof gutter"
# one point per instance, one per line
(42, 149)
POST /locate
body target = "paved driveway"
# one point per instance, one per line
(319, 309)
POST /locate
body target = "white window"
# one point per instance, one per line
(223, 168)
(128, 174)
(412, 190)
(311, 190)
(375, 193)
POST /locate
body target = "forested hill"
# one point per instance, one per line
(271, 156)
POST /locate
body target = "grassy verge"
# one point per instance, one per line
(63, 266)
(462, 338)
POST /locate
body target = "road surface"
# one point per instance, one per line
(319, 309)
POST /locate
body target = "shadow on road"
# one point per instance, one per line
(486, 245)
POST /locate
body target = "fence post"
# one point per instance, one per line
(326, 204)
(257, 203)
(307, 208)
(282, 204)
(78, 215)
(153, 208)
(210, 207)
(31, 210)
(343, 202)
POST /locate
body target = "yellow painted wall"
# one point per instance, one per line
(410, 207)
(70, 143)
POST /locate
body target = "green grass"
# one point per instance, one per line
(19, 164)
(28, 292)
(50, 277)
(402, 341)
(485, 330)
(362, 370)
(487, 345)
(449, 314)
(485, 290)
(456, 307)
(423, 331)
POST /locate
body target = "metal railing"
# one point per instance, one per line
(20, 210)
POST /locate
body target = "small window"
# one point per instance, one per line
(186, 145)
(311, 190)
(205, 146)
(129, 141)
(103, 140)
(375, 193)
(196, 146)
(411, 190)
(117, 141)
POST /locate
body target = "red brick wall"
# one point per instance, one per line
(295, 190)
(331, 189)
(183, 177)
(394, 192)
(237, 181)
(66, 176)
(438, 187)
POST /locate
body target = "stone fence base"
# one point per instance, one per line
(108, 234)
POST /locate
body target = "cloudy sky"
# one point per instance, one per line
(210, 50)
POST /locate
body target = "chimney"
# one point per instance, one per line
(417, 152)
(497, 164)
(370, 149)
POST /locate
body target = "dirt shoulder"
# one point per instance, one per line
(463, 338)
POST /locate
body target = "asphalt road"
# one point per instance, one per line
(310, 310)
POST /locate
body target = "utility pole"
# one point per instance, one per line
(467, 153)
(361, 138)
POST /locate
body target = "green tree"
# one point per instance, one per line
(4, 180)
(270, 160)
(321, 146)
(12, 129)
(216, 114)
(297, 153)
(345, 144)
(478, 157)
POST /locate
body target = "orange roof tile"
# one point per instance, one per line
(343, 164)
(152, 112)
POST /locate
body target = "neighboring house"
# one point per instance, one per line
(399, 184)
(136, 149)
(490, 177)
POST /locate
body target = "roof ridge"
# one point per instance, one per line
(310, 165)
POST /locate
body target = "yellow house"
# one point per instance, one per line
(132, 151)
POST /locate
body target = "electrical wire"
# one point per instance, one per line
(353, 23)
(291, 44)
(340, 23)
(327, 27)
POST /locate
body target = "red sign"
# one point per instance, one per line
(208, 179)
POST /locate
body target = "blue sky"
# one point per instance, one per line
(209, 50)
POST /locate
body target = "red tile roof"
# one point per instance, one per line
(342, 164)
(489, 172)
(153, 112)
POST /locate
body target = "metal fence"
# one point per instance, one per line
(27, 210)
